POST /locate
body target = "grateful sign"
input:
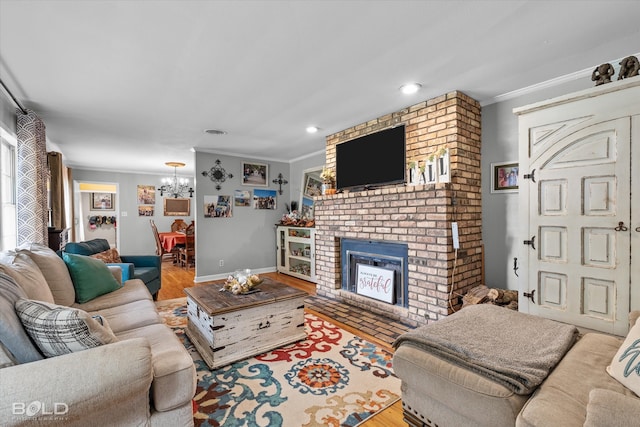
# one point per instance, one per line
(374, 282)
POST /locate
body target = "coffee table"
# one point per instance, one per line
(226, 328)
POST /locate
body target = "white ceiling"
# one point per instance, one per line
(129, 85)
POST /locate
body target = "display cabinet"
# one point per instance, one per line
(296, 252)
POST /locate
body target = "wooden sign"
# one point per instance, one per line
(375, 282)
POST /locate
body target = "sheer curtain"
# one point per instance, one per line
(32, 176)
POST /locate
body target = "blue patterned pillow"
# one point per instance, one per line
(58, 330)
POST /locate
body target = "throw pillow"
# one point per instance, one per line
(58, 330)
(91, 277)
(12, 333)
(54, 271)
(625, 366)
(26, 274)
(108, 256)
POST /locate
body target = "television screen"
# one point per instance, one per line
(374, 159)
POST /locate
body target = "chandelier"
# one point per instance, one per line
(172, 185)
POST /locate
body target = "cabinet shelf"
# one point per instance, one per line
(301, 258)
(296, 252)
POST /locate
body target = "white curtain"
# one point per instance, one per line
(32, 175)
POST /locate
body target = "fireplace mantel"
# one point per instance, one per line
(419, 216)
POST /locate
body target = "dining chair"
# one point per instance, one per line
(178, 225)
(187, 254)
(160, 250)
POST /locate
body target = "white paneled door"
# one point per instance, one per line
(579, 221)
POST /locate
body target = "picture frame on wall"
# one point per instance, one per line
(218, 207)
(504, 177)
(177, 207)
(145, 210)
(264, 199)
(102, 202)
(313, 186)
(146, 194)
(255, 174)
(242, 197)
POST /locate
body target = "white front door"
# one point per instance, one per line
(579, 223)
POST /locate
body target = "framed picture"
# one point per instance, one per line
(307, 208)
(177, 207)
(145, 210)
(504, 177)
(255, 174)
(264, 199)
(102, 202)
(313, 186)
(146, 195)
(217, 207)
(242, 197)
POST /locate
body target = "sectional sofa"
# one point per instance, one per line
(591, 383)
(106, 361)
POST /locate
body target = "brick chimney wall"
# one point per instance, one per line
(418, 215)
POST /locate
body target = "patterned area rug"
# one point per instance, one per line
(333, 378)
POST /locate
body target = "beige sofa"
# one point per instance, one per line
(578, 390)
(144, 377)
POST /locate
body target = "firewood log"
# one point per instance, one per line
(495, 295)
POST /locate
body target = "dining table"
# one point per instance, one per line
(170, 239)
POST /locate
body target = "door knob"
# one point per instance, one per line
(638, 229)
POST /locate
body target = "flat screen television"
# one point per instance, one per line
(372, 160)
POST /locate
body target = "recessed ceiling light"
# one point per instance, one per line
(410, 88)
(312, 129)
(215, 132)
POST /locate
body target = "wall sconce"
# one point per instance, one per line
(280, 181)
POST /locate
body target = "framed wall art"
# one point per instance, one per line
(242, 197)
(264, 199)
(313, 186)
(255, 174)
(145, 210)
(504, 177)
(217, 207)
(177, 207)
(146, 195)
(102, 202)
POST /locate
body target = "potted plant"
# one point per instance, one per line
(328, 180)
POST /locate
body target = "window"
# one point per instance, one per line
(8, 227)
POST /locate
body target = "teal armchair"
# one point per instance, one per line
(144, 267)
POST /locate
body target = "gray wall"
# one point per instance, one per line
(500, 211)
(247, 239)
(134, 235)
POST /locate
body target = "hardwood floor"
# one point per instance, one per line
(175, 279)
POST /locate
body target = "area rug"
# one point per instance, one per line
(333, 378)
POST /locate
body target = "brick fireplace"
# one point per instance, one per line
(419, 216)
